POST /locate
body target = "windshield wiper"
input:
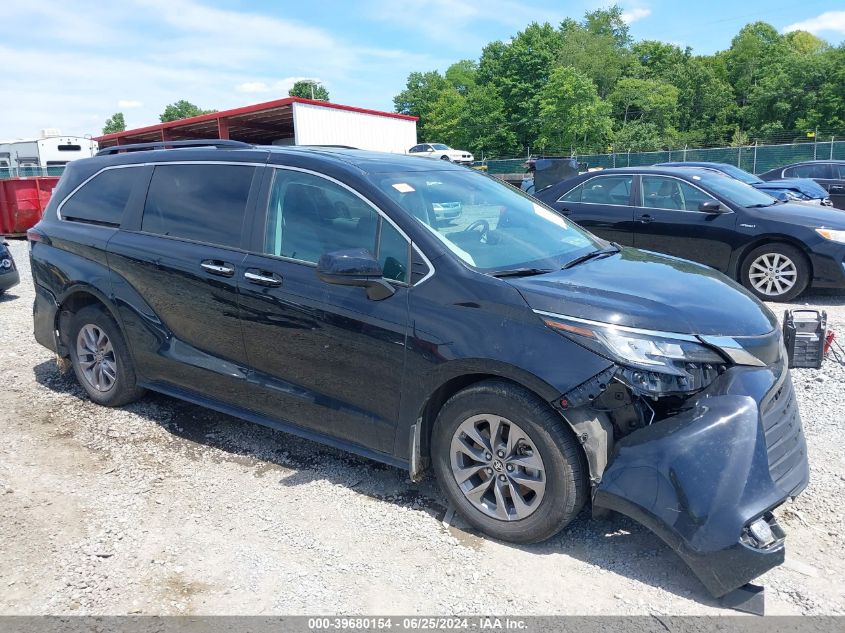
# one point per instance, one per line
(520, 272)
(612, 249)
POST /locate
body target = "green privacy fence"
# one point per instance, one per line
(29, 172)
(753, 158)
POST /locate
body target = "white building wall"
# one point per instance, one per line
(318, 125)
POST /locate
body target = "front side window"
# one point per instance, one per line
(102, 199)
(615, 190)
(496, 228)
(660, 192)
(205, 203)
(310, 216)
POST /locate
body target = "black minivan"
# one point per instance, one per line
(533, 365)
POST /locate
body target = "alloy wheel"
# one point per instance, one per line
(773, 274)
(497, 467)
(96, 357)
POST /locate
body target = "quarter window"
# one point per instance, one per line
(310, 216)
(614, 190)
(102, 199)
(205, 203)
(659, 192)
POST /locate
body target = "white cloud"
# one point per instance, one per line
(827, 21)
(252, 86)
(128, 104)
(171, 50)
(630, 16)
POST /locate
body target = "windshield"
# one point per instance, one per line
(485, 223)
(740, 174)
(735, 191)
(440, 146)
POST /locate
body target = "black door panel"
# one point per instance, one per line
(197, 342)
(602, 206)
(668, 221)
(324, 356)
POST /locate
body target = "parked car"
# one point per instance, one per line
(787, 189)
(442, 152)
(533, 365)
(8, 271)
(774, 249)
(830, 174)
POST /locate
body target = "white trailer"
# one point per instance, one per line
(38, 154)
(330, 124)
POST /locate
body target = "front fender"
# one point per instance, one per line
(699, 478)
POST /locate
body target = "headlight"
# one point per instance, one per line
(832, 235)
(658, 363)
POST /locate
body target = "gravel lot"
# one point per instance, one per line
(163, 507)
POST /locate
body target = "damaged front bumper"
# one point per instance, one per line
(704, 478)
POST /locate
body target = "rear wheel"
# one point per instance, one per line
(100, 358)
(507, 463)
(775, 272)
(446, 158)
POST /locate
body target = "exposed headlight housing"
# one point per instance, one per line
(652, 362)
(832, 234)
(5, 264)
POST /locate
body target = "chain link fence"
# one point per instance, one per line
(753, 158)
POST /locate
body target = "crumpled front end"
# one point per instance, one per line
(707, 478)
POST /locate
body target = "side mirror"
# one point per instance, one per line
(356, 267)
(711, 206)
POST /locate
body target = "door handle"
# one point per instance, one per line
(565, 211)
(262, 278)
(645, 218)
(216, 267)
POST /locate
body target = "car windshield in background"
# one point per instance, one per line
(740, 174)
(499, 228)
(440, 146)
(736, 191)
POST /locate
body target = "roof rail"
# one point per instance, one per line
(139, 147)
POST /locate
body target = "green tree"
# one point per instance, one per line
(572, 115)
(309, 89)
(484, 126)
(639, 136)
(115, 123)
(647, 100)
(181, 110)
(518, 71)
(462, 75)
(418, 98)
(445, 117)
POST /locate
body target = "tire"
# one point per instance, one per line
(116, 378)
(564, 475)
(775, 272)
(446, 158)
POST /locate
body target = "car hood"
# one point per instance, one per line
(809, 215)
(647, 290)
(806, 186)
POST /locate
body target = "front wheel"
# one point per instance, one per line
(507, 463)
(775, 272)
(446, 158)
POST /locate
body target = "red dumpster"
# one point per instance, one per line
(22, 201)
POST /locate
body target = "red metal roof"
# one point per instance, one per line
(254, 123)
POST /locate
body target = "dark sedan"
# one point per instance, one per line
(798, 189)
(8, 272)
(830, 174)
(774, 249)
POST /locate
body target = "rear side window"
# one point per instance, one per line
(102, 199)
(205, 203)
(807, 171)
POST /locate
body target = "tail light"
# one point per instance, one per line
(35, 236)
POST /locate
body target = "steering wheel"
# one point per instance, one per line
(484, 225)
